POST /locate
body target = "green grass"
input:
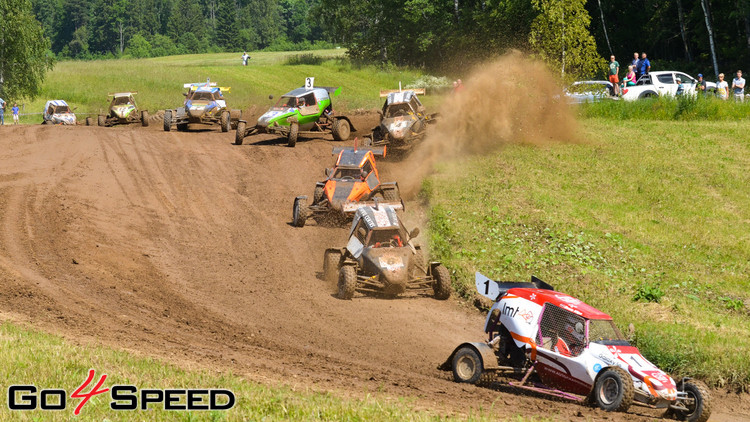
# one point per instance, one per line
(648, 222)
(85, 84)
(668, 108)
(30, 357)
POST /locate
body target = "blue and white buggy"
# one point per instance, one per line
(204, 104)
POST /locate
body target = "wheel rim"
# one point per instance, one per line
(609, 391)
(691, 403)
(466, 367)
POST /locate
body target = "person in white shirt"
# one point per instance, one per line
(722, 88)
(738, 87)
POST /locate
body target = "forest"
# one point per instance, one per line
(692, 35)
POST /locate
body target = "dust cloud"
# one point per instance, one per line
(512, 99)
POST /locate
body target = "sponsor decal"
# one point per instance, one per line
(597, 367)
(509, 311)
(533, 296)
(391, 263)
(526, 315)
(569, 300)
(122, 397)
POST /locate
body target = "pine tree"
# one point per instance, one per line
(560, 36)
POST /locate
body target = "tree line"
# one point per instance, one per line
(689, 35)
(86, 29)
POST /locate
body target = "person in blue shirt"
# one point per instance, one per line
(644, 66)
(15, 113)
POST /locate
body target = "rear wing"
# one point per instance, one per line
(375, 150)
(384, 92)
(493, 290)
(332, 90)
(198, 84)
(121, 94)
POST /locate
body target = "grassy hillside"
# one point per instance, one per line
(648, 221)
(159, 80)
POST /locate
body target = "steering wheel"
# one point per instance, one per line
(348, 178)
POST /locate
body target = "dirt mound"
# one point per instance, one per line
(179, 245)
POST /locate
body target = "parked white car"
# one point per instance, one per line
(590, 92)
(655, 84)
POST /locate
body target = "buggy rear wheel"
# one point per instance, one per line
(467, 366)
(225, 124)
(101, 121)
(614, 390)
(144, 118)
(442, 284)
(331, 265)
(299, 212)
(293, 134)
(167, 120)
(239, 135)
(318, 194)
(340, 130)
(89, 121)
(347, 282)
(391, 194)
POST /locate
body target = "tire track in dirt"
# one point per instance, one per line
(185, 252)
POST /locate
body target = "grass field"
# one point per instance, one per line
(647, 220)
(159, 81)
(56, 364)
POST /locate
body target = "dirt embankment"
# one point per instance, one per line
(179, 245)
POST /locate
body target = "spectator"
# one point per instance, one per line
(455, 87)
(629, 79)
(245, 58)
(738, 86)
(460, 86)
(680, 87)
(644, 66)
(701, 84)
(614, 72)
(15, 113)
(2, 111)
(722, 88)
(634, 63)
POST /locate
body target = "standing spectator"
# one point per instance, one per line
(2, 112)
(738, 86)
(722, 88)
(15, 113)
(644, 66)
(459, 86)
(614, 72)
(634, 63)
(701, 84)
(245, 58)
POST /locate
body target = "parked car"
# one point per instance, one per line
(590, 92)
(655, 84)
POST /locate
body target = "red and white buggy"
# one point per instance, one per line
(566, 348)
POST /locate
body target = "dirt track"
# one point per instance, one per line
(179, 245)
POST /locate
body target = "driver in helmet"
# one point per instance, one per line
(572, 340)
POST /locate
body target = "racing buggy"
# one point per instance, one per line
(305, 111)
(402, 120)
(204, 104)
(122, 111)
(57, 112)
(568, 349)
(351, 183)
(380, 258)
